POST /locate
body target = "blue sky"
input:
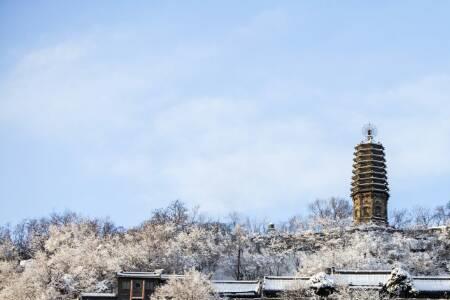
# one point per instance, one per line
(116, 108)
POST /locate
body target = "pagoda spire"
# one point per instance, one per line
(369, 191)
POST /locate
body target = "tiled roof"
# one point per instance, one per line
(360, 278)
(284, 283)
(430, 284)
(232, 287)
(171, 276)
(139, 274)
(357, 279)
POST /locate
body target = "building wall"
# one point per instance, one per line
(135, 288)
(370, 207)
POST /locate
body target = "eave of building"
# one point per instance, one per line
(370, 167)
(369, 151)
(384, 174)
(370, 190)
(364, 163)
(378, 180)
(370, 155)
(371, 185)
(366, 185)
(138, 275)
(364, 146)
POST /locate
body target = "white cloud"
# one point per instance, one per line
(226, 155)
(415, 118)
(55, 92)
(220, 152)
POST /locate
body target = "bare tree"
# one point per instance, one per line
(422, 216)
(176, 213)
(447, 209)
(240, 237)
(297, 224)
(331, 213)
(440, 215)
(254, 225)
(319, 209)
(235, 218)
(400, 218)
(333, 208)
(340, 208)
(65, 218)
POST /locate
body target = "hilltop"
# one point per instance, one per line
(66, 254)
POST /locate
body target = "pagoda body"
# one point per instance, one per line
(370, 192)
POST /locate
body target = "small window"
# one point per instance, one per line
(366, 212)
(137, 285)
(378, 211)
(125, 285)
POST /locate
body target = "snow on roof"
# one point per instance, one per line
(352, 278)
(284, 283)
(233, 287)
(171, 276)
(355, 278)
(139, 274)
(360, 279)
(343, 271)
(432, 283)
(439, 227)
(143, 275)
(102, 295)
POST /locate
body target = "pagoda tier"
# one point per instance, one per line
(369, 169)
(369, 188)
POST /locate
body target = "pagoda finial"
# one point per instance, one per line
(369, 131)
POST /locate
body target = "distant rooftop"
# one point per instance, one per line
(233, 287)
(154, 274)
(355, 279)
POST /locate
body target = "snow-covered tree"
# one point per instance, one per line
(399, 284)
(60, 256)
(321, 284)
(346, 293)
(330, 213)
(193, 286)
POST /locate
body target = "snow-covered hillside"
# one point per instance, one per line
(61, 256)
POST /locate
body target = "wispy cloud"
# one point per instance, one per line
(201, 121)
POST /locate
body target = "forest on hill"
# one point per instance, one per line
(59, 256)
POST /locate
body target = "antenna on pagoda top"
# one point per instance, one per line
(369, 131)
